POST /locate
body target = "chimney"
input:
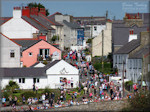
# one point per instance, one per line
(26, 11)
(32, 11)
(42, 11)
(36, 11)
(17, 12)
(43, 37)
(132, 36)
(131, 31)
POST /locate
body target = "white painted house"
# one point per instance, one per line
(17, 27)
(50, 75)
(9, 52)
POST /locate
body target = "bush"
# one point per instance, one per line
(28, 94)
(47, 90)
(45, 62)
(12, 86)
(128, 85)
(141, 100)
(5, 94)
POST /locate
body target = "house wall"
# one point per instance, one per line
(97, 42)
(28, 82)
(118, 62)
(60, 18)
(133, 67)
(98, 30)
(60, 33)
(17, 27)
(70, 36)
(30, 60)
(6, 46)
(62, 69)
(54, 80)
(51, 81)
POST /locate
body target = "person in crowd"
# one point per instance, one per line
(23, 99)
(4, 101)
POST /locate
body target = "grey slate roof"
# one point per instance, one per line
(52, 17)
(26, 72)
(33, 23)
(72, 25)
(22, 72)
(26, 43)
(34, 65)
(127, 48)
(51, 64)
(139, 54)
(120, 32)
(4, 19)
(42, 21)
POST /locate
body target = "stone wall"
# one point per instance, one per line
(100, 106)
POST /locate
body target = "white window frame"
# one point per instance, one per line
(22, 80)
(30, 54)
(12, 51)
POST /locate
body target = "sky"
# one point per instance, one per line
(82, 8)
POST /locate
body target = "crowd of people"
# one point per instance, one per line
(96, 87)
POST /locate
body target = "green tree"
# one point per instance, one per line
(12, 86)
(39, 5)
(54, 38)
(89, 41)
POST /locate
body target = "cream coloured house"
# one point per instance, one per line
(97, 42)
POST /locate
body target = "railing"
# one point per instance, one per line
(42, 58)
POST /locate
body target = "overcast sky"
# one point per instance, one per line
(81, 8)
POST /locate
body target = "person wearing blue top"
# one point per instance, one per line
(3, 100)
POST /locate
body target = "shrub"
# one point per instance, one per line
(141, 100)
(45, 62)
(5, 94)
(128, 85)
(12, 86)
(47, 90)
(28, 94)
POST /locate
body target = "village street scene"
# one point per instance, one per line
(63, 62)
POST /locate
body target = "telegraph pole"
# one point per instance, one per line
(106, 15)
(91, 26)
(102, 49)
(123, 79)
(142, 72)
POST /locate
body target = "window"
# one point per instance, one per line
(135, 64)
(115, 59)
(21, 80)
(140, 64)
(36, 80)
(12, 54)
(95, 28)
(30, 53)
(148, 67)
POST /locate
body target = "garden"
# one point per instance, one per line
(12, 89)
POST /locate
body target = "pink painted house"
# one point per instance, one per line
(34, 50)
